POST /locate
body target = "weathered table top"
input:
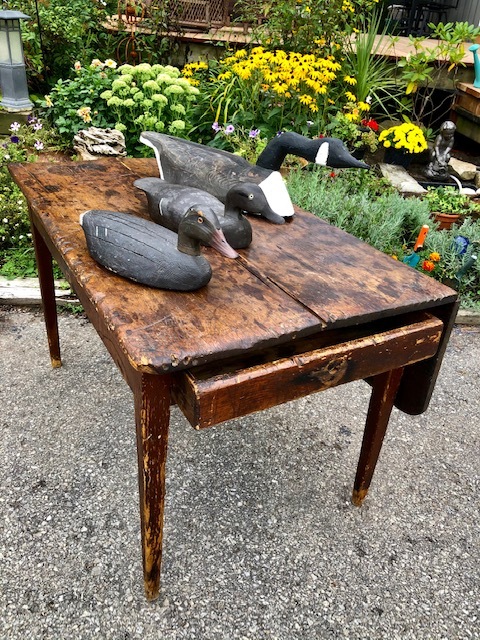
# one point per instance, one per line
(294, 280)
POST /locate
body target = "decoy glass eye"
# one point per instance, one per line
(250, 196)
(200, 219)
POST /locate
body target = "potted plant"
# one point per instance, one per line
(401, 142)
(448, 206)
(358, 137)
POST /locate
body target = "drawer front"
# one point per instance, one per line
(208, 397)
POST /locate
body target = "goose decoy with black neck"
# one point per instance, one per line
(217, 171)
(149, 254)
(168, 203)
(327, 152)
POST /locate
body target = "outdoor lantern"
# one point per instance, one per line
(13, 77)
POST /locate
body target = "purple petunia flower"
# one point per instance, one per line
(38, 145)
(254, 133)
(229, 129)
(14, 139)
(37, 126)
(216, 127)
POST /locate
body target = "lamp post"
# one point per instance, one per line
(13, 77)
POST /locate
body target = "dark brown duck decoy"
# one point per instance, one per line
(168, 203)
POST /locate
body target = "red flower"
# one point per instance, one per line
(428, 265)
(333, 174)
(370, 123)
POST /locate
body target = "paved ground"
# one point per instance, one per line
(261, 541)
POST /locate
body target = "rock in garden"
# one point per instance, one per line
(463, 170)
(94, 142)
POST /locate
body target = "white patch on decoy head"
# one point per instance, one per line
(275, 191)
(160, 206)
(82, 215)
(322, 154)
(157, 154)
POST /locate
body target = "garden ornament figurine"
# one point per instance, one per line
(168, 203)
(437, 168)
(327, 152)
(476, 64)
(196, 165)
(149, 254)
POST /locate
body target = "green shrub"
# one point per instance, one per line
(69, 31)
(75, 103)
(130, 99)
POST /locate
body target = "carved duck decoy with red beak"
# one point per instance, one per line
(149, 254)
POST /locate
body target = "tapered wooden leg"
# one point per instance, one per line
(152, 417)
(385, 387)
(47, 289)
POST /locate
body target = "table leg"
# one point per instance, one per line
(47, 289)
(385, 387)
(152, 416)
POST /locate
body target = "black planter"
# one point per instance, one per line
(399, 157)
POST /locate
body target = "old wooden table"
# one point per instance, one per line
(304, 308)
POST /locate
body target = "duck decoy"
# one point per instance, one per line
(168, 203)
(327, 152)
(149, 254)
(216, 171)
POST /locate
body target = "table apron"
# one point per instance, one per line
(207, 400)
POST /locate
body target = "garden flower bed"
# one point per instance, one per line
(309, 79)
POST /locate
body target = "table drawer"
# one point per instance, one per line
(210, 395)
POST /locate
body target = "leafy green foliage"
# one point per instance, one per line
(129, 98)
(297, 25)
(69, 31)
(421, 71)
(25, 143)
(75, 103)
(376, 80)
(449, 200)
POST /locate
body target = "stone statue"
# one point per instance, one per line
(437, 168)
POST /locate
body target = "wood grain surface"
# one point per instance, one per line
(293, 281)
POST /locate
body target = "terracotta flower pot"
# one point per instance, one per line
(445, 220)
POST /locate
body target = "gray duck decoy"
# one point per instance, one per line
(168, 203)
(216, 171)
(327, 152)
(149, 254)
